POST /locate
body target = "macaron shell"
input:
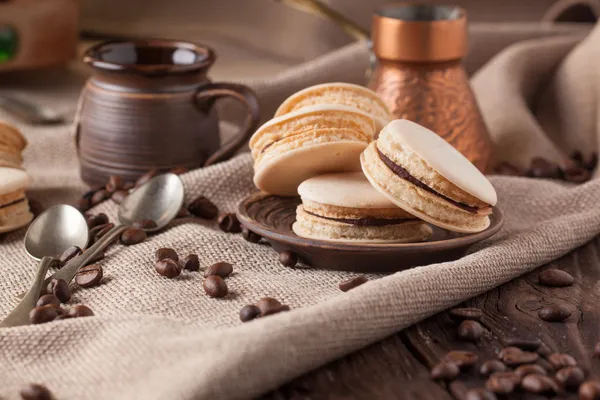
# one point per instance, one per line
(9, 135)
(442, 157)
(12, 179)
(17, 222)
(283, 173)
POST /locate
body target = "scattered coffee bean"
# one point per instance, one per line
(168, 267)
(529, 369)
(119, 196)
(250, 236)
(555, 278)
(98, 232)
(502, 382)
(464, 359)
(267, 304)
(215, 286)
(43, 314)
(506, 168)
(480, 394)
(461, 314)
(524, 344)
(470, 331)
(133, 236)
(96, 220)
(99, 197)
(97, 257)
(179, 170)
(554, 313)
(539, 384)
(591, 162)
(229, 223)
(114, 183)
(570, 377)
(353, 282)
(597, 350)
(203, 208)
(222, 269)
(515, 356)
(145, 224)
(183, 213)
(491, 366)
(55, 264)
(561, 360)
(83, 204)
(48, 299)
(444, 371)
(191, 263)
(89, 276)
(69, 254)
(589, 390)
(60, 288)
(288, 259)
(577, 175)
(249, 312)
(80, 311)
(146, 177)
(577, 157)
(274, 310)
(35, 391)
(542, 168)
(166, 253)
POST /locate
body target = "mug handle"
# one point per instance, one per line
(205, 99)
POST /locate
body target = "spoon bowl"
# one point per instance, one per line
(54, 231)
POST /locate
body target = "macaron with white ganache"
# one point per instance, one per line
(424, 175)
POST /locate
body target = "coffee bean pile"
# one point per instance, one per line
(167, 263)
(264, 307)
(214, 282)
(577, 169)
(49, 306)
(523, 365)
(352, 282)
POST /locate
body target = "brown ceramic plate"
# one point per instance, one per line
(272, 218)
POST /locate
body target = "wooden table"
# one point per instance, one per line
(398, 367)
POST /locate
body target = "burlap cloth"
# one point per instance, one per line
(155, 338)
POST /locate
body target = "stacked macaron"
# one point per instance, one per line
(12, 144)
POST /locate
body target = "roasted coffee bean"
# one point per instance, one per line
(99, 197)
(145, 224)
(542, 168)
(528, 369)
(89, 276)
(97, 257)
(114, 183)
(229, 223)
(554, 313)
(69, 254)
(577, 157)
(119, 196)
(591, 162)
(577, 175)
(166, 253)
(191, 263)
(560, 360)
(62, 316)
(80, 311)
(480, 394)
(597, 349)
(55, 264)
(288, 259)
(268, 303)
(215, 286)
(464, 359)
(444, 371)
(83, 204)
(539, 384)
(183, 213)
(35, 391)
(275, 310)
(41, 315)
(249, 312)
(515, 356)
(222, 269)
(98, 231)
(589, 390)
(167, 267)
(570, 377)
(48, 299)
(508, 169)
(555, 278)
(491, 366)
(146, 177)
(97, 220)
(461, 314)
(502, 382)
(250, 236)
(133, 236)
(353, 282)
(203, 208)
(470, 331)
(179, 170)
(524, 344)
(60, 288)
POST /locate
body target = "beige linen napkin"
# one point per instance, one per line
(155, 338)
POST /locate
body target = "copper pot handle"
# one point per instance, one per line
(206, 97)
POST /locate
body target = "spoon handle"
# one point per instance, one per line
(20, 315)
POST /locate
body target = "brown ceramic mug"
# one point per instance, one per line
(149, 105)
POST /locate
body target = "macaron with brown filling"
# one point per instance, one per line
(14, 207)
(345, 207)
(424, 175)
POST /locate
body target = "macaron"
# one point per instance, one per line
(14, 207)
(339, 93)
(344, 207)
(424, 175)
(12, 144)
(312, 141)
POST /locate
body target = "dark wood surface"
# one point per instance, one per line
(398, 367)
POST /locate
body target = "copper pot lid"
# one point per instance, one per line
(420, 33)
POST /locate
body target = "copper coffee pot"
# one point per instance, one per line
(419, 74)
